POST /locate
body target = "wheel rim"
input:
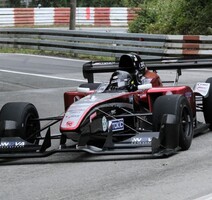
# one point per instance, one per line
(31, 127)
(186, 123)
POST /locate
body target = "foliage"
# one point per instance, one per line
(80, 3)
(133, 3)
(99, 3)
(174, 17)
(51, 3)
(109, 3)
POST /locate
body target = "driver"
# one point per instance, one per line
(121, 80)
(139, 71)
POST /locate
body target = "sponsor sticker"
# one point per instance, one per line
(104, 123)
(8, 144)
(202, 88)
(188, 94)
(69, 123)
(116, 125)
(141, 140)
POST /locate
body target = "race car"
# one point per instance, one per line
(131, 113)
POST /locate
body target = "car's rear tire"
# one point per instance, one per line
(177, 105)
(23, 114)
(207, 105)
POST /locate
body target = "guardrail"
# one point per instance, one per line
(149, 46)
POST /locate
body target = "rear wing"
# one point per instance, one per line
(90, 68)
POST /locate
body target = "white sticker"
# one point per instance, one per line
(104, 123)
(202, 88)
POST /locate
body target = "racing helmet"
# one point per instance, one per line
(133, 62)
(139, 64)
(120, 80)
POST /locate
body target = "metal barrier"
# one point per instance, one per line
(107, 44)
(85, 16)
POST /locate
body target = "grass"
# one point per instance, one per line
(55, 54)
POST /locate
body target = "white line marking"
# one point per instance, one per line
(48, 57)
(207, 197)
(43, 76)
(202, 70)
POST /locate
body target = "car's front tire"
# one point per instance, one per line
(24, 114)
(177, 105)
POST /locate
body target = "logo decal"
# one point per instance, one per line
(12, 144)
(104, 123)
(202, 88)
(116, 125)
(141, 140)
(69, 123)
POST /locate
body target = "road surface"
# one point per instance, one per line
(42, 81)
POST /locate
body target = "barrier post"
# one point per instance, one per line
(72, 15)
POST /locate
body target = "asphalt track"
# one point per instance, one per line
(42, 81)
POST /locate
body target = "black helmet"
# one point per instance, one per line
(139, 64)
(133, 62)
(120, 80)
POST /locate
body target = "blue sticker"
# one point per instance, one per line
(116, 125)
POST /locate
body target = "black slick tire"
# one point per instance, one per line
(207, 104)
(177, 105)
(23, 114)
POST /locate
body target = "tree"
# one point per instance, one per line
(14, 3)
(133, 3)
(174, 17)
(80, 3)
(99, 3)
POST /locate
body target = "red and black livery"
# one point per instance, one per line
(150, 118)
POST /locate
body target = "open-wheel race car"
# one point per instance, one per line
(132, 113)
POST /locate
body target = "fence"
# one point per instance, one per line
(107, 44)
(88, 16)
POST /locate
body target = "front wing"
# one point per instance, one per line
(162, 143)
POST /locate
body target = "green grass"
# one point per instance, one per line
(55, 54)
